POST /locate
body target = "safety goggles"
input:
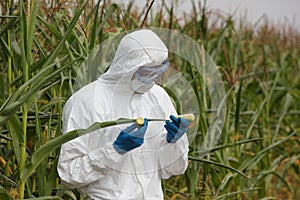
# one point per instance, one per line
(148, 74)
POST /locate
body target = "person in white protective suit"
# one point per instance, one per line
(125, 162)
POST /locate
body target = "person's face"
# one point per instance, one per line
(148, 74)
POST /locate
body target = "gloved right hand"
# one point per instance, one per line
(176, 128)
(129, 138)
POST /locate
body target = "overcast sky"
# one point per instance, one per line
(278, 11)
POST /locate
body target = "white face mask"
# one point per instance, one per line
(140, 87)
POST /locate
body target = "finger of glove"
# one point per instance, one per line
(183, 122)
(175, 120)
(179, 134)
(170, 131)
(172, 126)
(169, 139)
(130, 128)
(170, 134)
(175, 135)
(140, 132)
(145, 125)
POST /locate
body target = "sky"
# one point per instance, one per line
(277, 11)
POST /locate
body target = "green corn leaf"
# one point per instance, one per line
(259, 155)
(23, 41)
(237, 110)
(6, 47)
(8, 180)
(14, 102)
(2, 90)
(94, 29)
(16, 132)
(31, 28)
(50, 27)
(4, 194)
(111, 10)
(220, 147)
(51, 178)
(10, 25)
(41, 153)
(6, 112)
(199, 159)
(61, 43)
(253, 121)
(175, 99)
(274, 173)
(287, 103)
(46, 198)
(232, 195)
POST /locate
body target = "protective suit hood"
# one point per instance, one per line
(136, 49)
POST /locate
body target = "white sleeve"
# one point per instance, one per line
(78, 167)
(80, 164)
(174, 156)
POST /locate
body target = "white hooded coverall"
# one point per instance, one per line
(89, 162)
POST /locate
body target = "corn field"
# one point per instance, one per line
(43, 44)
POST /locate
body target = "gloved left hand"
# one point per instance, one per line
(176, 128)
(129, 138)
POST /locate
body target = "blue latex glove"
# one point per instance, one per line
(176, 128)
(129, 138)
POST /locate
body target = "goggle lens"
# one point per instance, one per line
(148, 74)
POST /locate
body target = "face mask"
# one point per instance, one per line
(148, 74)
(140, 87)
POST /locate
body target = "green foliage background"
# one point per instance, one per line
(43, 43)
